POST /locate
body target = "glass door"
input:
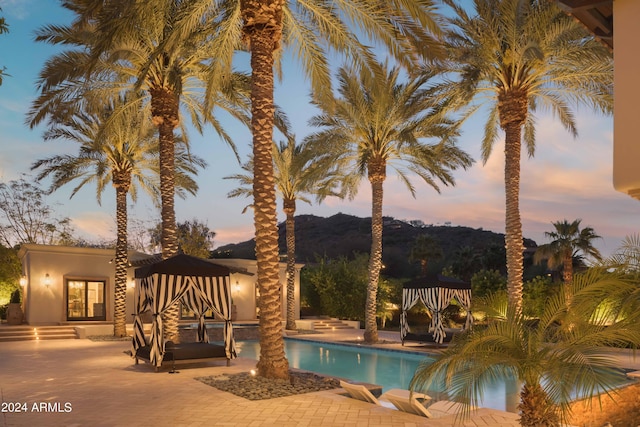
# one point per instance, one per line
(85, 300)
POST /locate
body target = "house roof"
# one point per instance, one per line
(595, 15)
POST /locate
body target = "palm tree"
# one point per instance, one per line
(378, 122)
(4, 28)
(129, 46)
(628, 255)
(569, 242)
(551, 362)
(123, 152)
(263, 23)
(298, 172)
(425, 248)
(516, 56)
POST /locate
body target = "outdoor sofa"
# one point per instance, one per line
(191, 352)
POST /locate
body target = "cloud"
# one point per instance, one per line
(16, 9)
(94, 225)
(227, 235)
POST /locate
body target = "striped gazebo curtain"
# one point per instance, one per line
(436, 299)
(215, 292)
(141, 304)
(463, 296)
(410, 297)
(164, 291)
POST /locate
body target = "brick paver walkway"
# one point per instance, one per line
(86, 383)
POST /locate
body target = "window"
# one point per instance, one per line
(85, 300)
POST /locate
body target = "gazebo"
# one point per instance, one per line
(198, 284)
(436, 294)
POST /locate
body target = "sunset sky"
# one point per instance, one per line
(568, 178)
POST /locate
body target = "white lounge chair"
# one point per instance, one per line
(404, 401)
(360, 392)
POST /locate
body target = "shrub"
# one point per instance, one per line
(535, 294)
(486, 282)
(338, 287)
(15, 297)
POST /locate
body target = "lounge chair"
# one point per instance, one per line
(402, 400)
(360, 392)
(405, 402)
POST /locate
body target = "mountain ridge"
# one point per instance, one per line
(345, 235)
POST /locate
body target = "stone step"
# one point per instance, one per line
(330, 324)
(30, 333)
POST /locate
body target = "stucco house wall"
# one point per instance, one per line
(47, 304)
(626, 150)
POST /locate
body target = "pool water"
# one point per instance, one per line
(387, 368)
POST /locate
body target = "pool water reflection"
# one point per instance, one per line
(387, 368)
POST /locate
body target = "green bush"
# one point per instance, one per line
(10, 269)
(338, 287)
(486, 282)
(535, 294)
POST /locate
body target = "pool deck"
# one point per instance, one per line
(96, 383)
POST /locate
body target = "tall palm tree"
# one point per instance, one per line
(516, 56)
(123, 152)
(551, 362)
(264, 22)
(298, 172)
(425, 248)
(123, 45)
(376, 122)
(569, 242)
(4, 28)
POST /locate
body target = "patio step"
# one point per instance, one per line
(330, 324)
(31, 333)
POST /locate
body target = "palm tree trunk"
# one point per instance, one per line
(567, 277)
(513, 112)
(120, 291)
(263, 26)
(376, 177)
(423, 267)
(536, 408)
(290, 210)
(165, 104)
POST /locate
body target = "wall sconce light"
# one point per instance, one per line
(237, 287)
(47, 280)
(131, 283)
(23, 281)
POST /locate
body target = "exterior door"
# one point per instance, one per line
(85, 300)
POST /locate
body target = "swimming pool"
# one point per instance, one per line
(387, 368)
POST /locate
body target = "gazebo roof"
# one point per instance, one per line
(436, 281)
(185, 265)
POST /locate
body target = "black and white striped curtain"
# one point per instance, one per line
(410, 297)
(164, 291)
(463, 296)
(141, 305)
(215, 292)
(436, 299)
